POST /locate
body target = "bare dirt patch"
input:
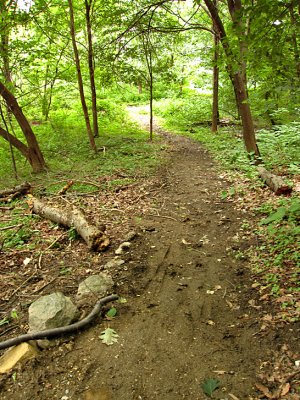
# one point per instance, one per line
(187, 316)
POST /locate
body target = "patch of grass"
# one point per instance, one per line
(123, 146)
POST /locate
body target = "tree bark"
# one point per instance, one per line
(237, 80)
(88, 4)
(148, 56)
(79, 78)
(32, 152)
(92, 235)
(215, 105)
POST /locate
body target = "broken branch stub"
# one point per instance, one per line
(275, 182)
(72, 218)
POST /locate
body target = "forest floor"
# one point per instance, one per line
(191, 313)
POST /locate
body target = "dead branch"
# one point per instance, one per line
(10, 227)
(7, 195)
(72, 218)
(65, 188)
(275, 182)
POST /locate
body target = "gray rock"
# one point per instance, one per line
(51, 311)
(114, 263)
(124, 246)
(99, 284)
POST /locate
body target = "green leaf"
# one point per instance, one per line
(111, 313)
(275, 217)
(4, 321)
(224, 195)
(209, 386)
(14, 314)
(109, 336)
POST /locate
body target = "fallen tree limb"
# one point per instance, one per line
(7, 195)
(275, 182)
(72, 218)
(63, 330)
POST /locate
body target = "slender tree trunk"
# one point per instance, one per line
(148, 56)
(238, 82)
(215, 105)
(88, 4)
(140, 87)
(33, 152)
(79, 78)
(5, 57)
(45, 109)
(151, 99)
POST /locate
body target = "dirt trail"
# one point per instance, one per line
(187, 315)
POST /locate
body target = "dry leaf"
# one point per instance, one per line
(285, 389)
(230, 305)
(264, 390)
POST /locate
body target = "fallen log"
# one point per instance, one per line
(7, 195)
(275, 182)
(72, 218)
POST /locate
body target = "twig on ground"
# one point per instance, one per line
(163, 216)
(20, 287)
(6, 228)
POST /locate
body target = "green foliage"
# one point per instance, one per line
(18, 231)
(4, 321)
(280, 147)
(278, 259)
(123, 147)
(209, 386)
(186, 112)
(111, 313)
(73, 235)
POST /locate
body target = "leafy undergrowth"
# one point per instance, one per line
(125, 157)
(271, 222)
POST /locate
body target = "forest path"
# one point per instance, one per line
(187, 317)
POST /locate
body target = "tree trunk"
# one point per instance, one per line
(79, 78)
(215, 105)
(148, 56)
(32, 152)
(237, 80)
(151, 98)
(91, 66)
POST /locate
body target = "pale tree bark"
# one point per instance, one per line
(32, 151)
(79, 78)
(237, 79)
(88, 5)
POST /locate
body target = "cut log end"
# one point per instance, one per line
(275, 182)
(100, 243)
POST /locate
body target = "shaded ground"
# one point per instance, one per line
(187, 316)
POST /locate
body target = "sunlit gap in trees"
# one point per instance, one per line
(25, 5)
